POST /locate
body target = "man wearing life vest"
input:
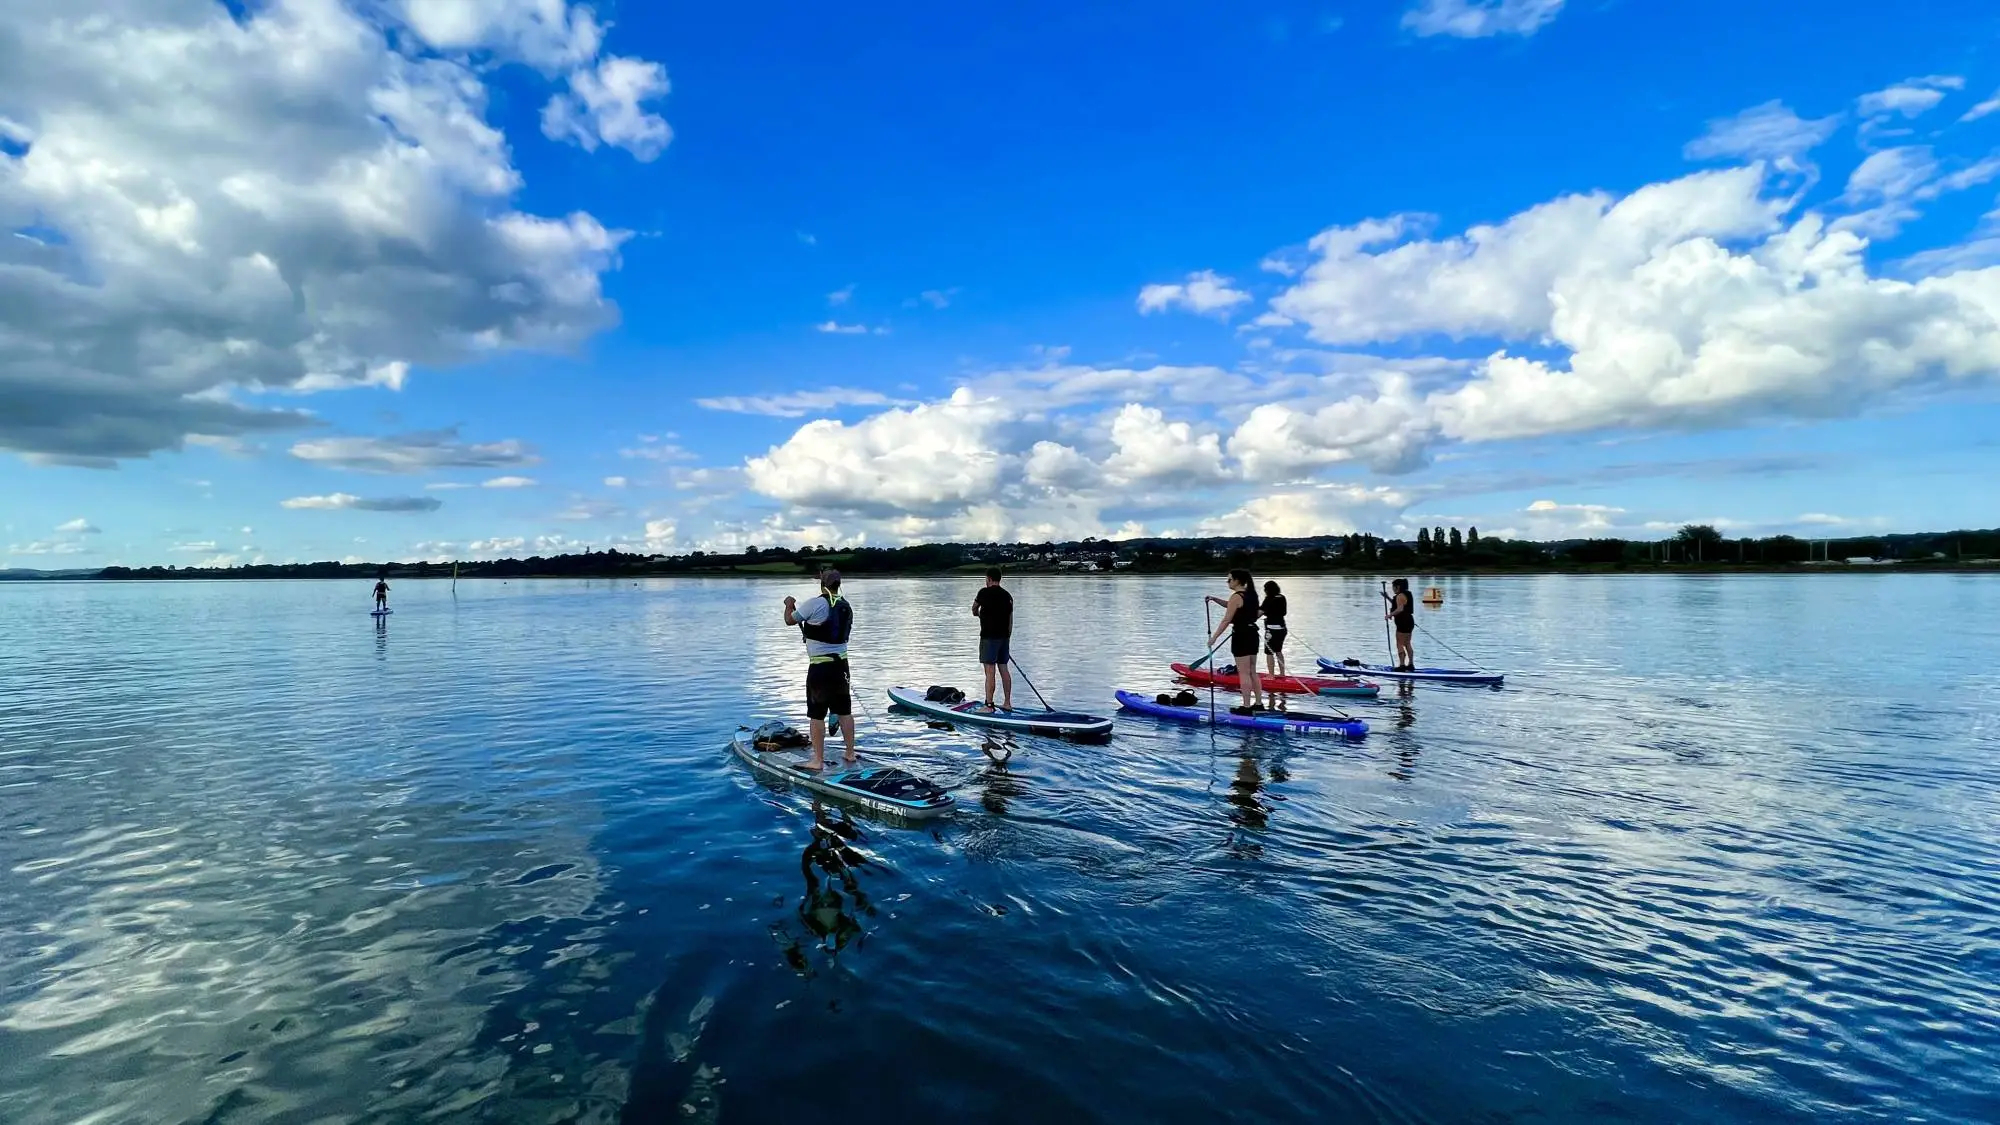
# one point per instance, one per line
(826, 621)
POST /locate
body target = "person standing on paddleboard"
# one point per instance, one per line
(1403, 611)
(1274, 630)
(826, 621)
(381, 593)
(1239, 620)
(994, 607)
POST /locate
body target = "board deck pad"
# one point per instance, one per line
(1437, 675)
(1287, 685)
(883, 788)
(1294, 722)
(1062, 724)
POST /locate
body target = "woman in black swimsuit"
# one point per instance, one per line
(1403, 611)
(1274, 630)
(1239, 620)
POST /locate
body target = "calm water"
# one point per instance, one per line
(1722, 850)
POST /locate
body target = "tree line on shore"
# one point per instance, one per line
(1434, 549)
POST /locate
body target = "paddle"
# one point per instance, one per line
(1208, 620)
(1386, 642)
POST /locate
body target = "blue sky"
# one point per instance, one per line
(459, 278)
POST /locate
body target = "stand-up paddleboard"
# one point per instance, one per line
(1290, 722)
(1284, 685)
(1436, 675)
(380, 612)
(1055, 724)
(774, 751)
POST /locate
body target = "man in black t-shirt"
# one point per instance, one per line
(994, 607)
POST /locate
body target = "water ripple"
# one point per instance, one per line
(268, 863)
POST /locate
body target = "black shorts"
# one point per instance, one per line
(1406, 625)
(827, 689)
(1243, 642)
(1274, 641)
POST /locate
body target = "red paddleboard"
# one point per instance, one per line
(1293, 685)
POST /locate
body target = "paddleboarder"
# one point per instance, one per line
(1403, 611)
(381, 592)
(1274, 629)
(1239, 620)
(825, 622)
(994, 607)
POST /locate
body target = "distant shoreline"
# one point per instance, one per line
(398, 572)
(1446, 553)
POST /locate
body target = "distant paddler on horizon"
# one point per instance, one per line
(382, 592)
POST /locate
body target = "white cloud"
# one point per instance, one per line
(345, 501)
(1694, 303)
(796, 404)
(841, 295)
(1477, 19)
(496, 546)
(1205, 293)
(509, 482)
(935, 298)
(1386, 430)
(651, 449)
(607, 105)
(1770, 131)
(285, 200)
(417, 452)
(1152, 450)
(707, 482)
(920, 459)
(1986, 108)
(1060, 385)
(391, 375)
(616, 482)
(1546, 519)
(1912, 97)
(1885, 186)
(233, 446)
(1372, 282)
(549, 35)
(79, 527)
(202, 547)
(48, 547)
(584, 510)
(662, 537)
(777, 531)
(835, 328)
(446, 486)
(1055, 466)
(1323, 510)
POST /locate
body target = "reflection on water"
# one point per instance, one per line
(1686, 866)
(834, 902)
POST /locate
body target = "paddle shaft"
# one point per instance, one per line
(1388, 643)
(1029, 682)
(1208, 619)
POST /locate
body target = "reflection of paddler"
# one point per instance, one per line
(829, 867)
(1243, 789)
(997, 784)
